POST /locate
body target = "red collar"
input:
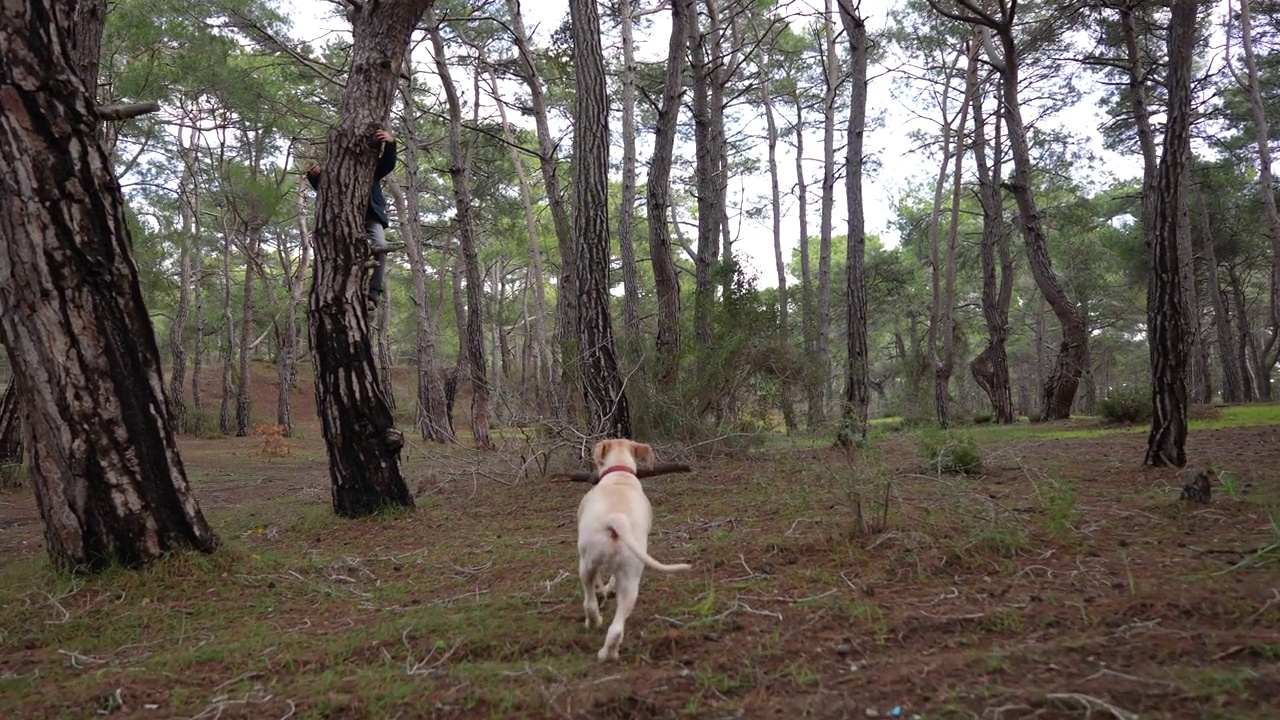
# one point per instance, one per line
(618, 468)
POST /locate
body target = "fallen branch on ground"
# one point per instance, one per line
(593, 476)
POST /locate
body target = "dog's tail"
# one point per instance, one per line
(621, 526)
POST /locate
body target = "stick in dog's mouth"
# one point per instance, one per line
(593, 476)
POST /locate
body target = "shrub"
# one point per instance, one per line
(950, 452)
(983, 418)
(1126, 405)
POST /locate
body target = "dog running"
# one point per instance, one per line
(614, 518)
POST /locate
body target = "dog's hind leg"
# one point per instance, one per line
(590, 606)
(628, 588)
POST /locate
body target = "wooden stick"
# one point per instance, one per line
(593, 478)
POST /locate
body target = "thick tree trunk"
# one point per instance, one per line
(658, 193)
(991, 367)
(853, 415)
(627, 210)
(360, 436)
(775, 206)
(460, 174)
(602, 385)
(1232, 384)
(1165, 311)
(109, 482)
(566, 331)
(197, 426)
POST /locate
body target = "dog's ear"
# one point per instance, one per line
(602, 448)
(641, 451)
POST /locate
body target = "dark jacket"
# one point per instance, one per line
(377, 202)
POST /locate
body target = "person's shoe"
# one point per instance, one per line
(390, 247)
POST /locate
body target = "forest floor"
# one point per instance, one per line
(1064, 580)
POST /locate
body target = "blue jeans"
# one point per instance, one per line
(378, 238)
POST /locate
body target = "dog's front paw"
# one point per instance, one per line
(606, 654)
(593, 620)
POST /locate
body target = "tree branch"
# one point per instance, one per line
(116, 113)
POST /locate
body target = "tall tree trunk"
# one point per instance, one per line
(198, 330)
(808, 323)
(658, 197)
(295, 271)
(538, 342)
(627, 210)
(253, 241)
(566, 292)
(703, 57)
(109, 481)
(431, 417)
(1165, 311)
(945, 362)
(856, 396)
(432, 414)
(775, 206)
(832, 76)
(602, 383)
(228, 336)
(1232, 384)
(938, 329)
(991, 367)
(1246, 344)
(1266, 185)
(359, 431)
(1059, 389)
(178, 330)
(460, 174)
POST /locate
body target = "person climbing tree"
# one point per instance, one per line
(375, 217)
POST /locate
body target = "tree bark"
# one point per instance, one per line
(808, 323)
(1165, 311)
(109, 481)
(602, 385)
(856, 395)
(360, 436)
(658, 194)
(228, 336)
(460, 174)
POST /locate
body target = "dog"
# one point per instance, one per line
(613, 537)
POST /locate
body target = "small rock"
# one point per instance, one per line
(871, 712)
(844, 649)
(712, 637)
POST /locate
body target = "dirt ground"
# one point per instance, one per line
(1064, 581)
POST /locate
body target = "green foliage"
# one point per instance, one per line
(949, 452)
(1126, 405)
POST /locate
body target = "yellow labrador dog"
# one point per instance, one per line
(613, 537)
